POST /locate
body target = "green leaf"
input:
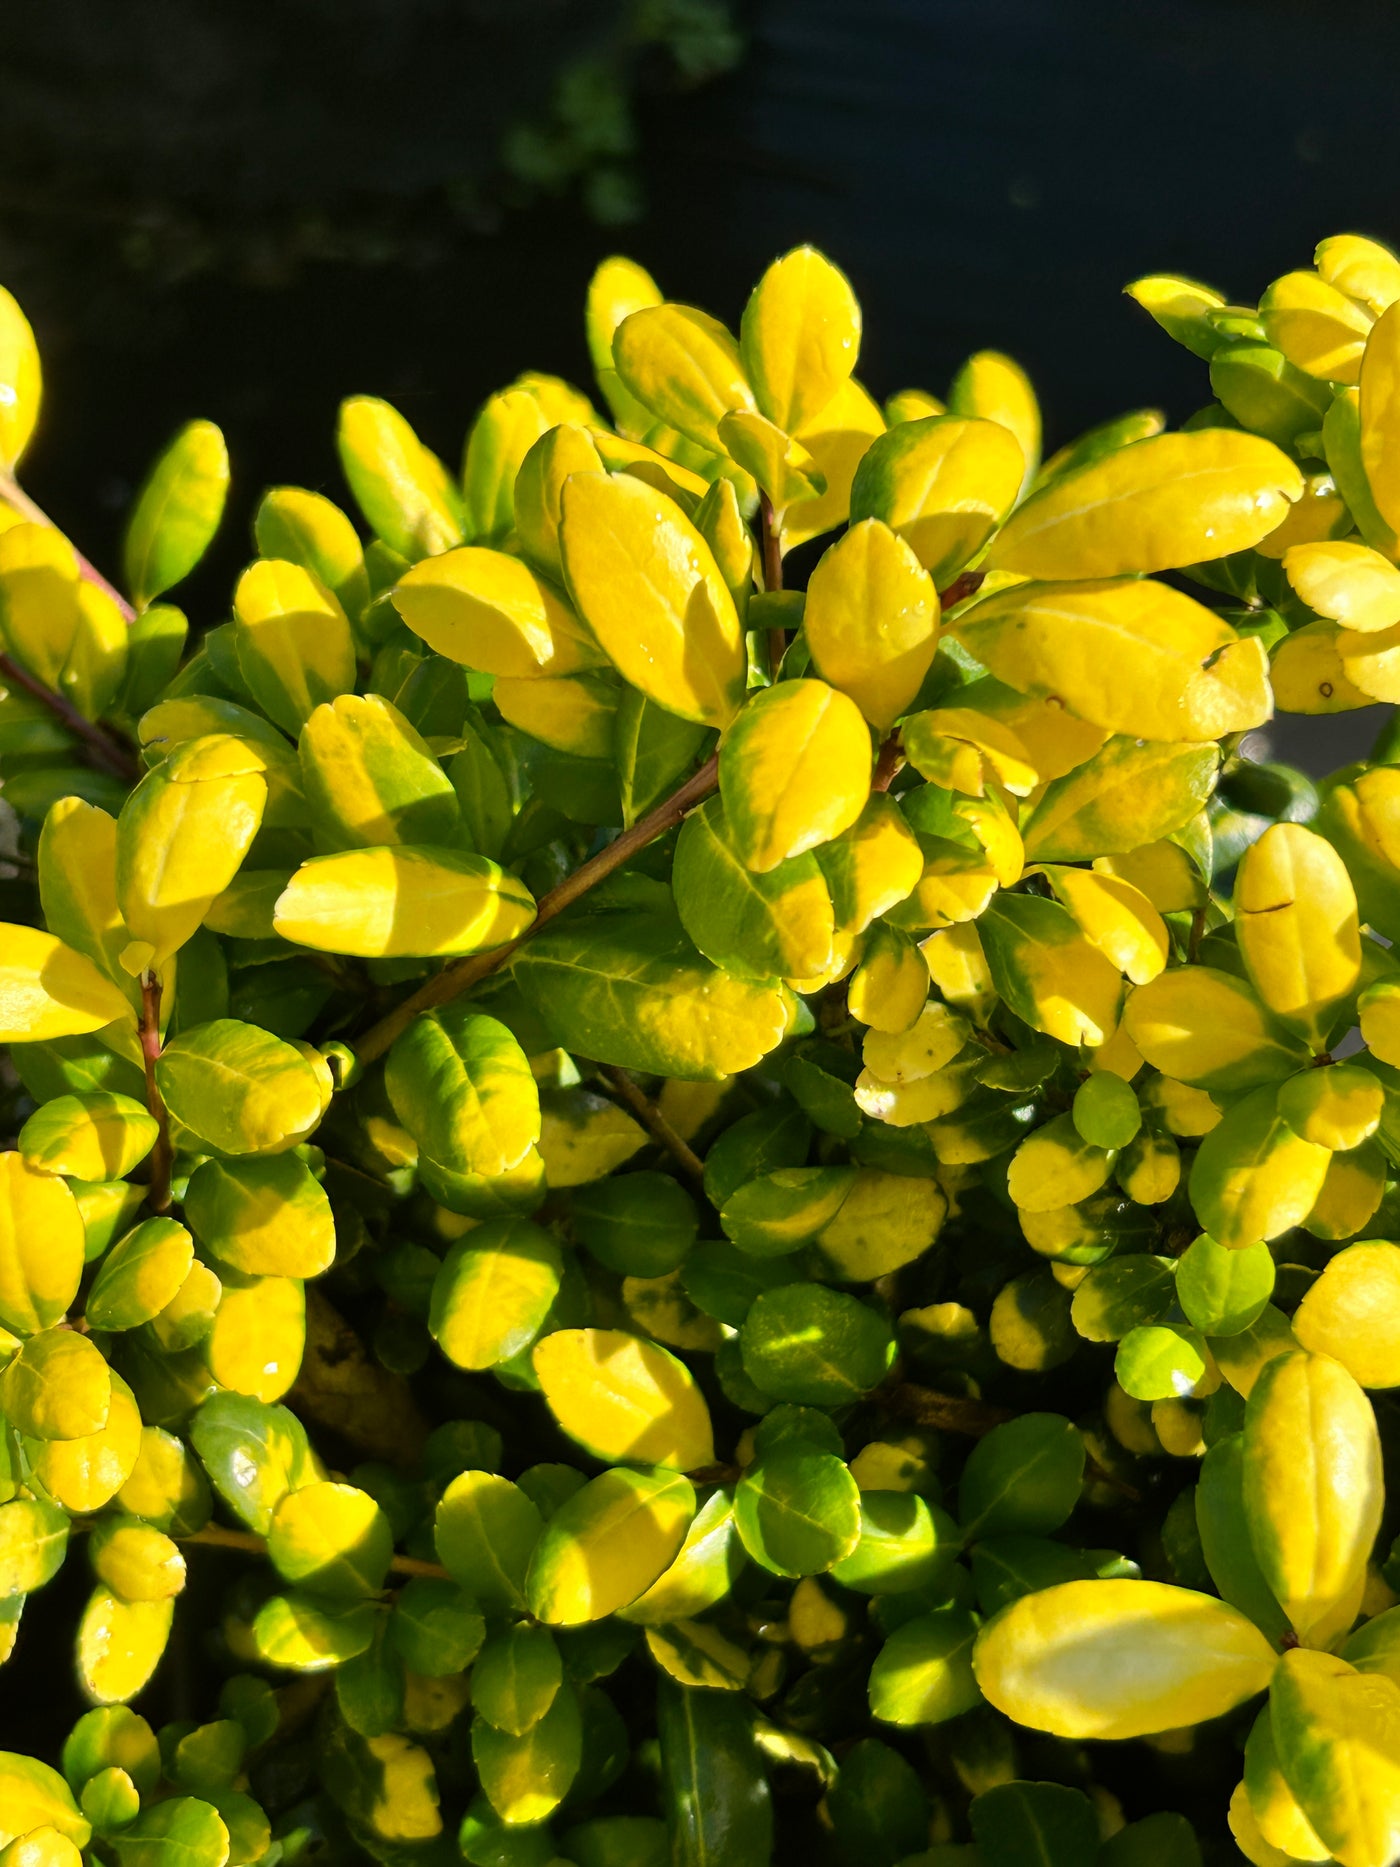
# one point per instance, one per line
(461, 1085)
(493, 1292)
(632, 990)
(1162, 1361)
(269, 1218)
(240, 1089)
(638, 1224)
(177, 512)
(331, 1540)
(1042, 1822)
(33, 1543)
(798, 1511)
(254, 1454)
(1162, 1840)
(653, 750)
(715, 1793)
(303, 1635)
(516, 1678)
(1223, 1528)
(486, 1530)
(1118, 1297)
(607, 1544)
(1224, 1292)
(1128, 794)
(526, 1776)
(923, 1673)
(778, 924)
(816, 1346)
(435, 1627)
(1024, 1476)
(140, 1275)
(906, 1545)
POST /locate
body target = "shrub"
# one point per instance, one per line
(842, 1196)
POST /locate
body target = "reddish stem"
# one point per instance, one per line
(19, 501)
(106, 752)
(889, 762)
(771, 533)
(158, 1188)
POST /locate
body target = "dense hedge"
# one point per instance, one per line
(839, 1141)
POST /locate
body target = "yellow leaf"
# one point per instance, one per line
(648, 587)
(1117, 918)
(1372, 662)
(684, 366)
(943, 484)
(1180, 306)
(1336, 1733)
(502, 435)
(1352, 1313)
(993, 387)
(400, 902)
(1169, 500)
(781, 466)
(608, 1544)
(799, 337)
(1316, 326)
(120, 1644)
(1117, 1659)
(963, 750)
(59, 625)
(1346, 581)
(574, 713)
(402, 488)
(871, 620)
(1319, 515)
(1295, 916)
(1363, 269)
(794, 771)
(617, 289)
(1380, 416)
(1313, 1488)
(21, 382)
(836, 440)
(1128, 655)
(1308, 674)
(47, 990)
(41, 1246)
(624, 1398)
(491, 612)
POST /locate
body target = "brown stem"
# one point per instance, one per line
(772, 537)
(106, 752)
(655, 1123)
(452, 981)
(215, 1536)
(1198, 930)
(158, 1189)
(19, 501)
(889, 762)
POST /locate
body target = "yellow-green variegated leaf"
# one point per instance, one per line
(1362, 268)
(47, 990)
(1352, 1312)
(631, 989)
(943, 484)
(993, 387)
(1253, 1178)
(266, 1217)
(1128, 793)
(794, 771)
(871, 867)
(1318, 328)
(1129, 655)
(1170, 500)
(1296, 920)
(78, 882)
(462, 1087)
(799, 337)
(97, 1136)
(58, 624)
(369, 778)
(401, 487)
(1207, 1028)
(1336, 1735)
(685, 367)
(778, 924)
(781, 466)
(306, 528)
(177, 512)
(1313, 1488)
(647, 585)
(41, 1246)
(57, 1387)
(1380, 420)
(608, 1544)
(494, 1291)
(574, 713)
(1117, 917)
(502, 435)
(181, 837)
(295, 649)
(617, 289)
(1180, 306)
(1346, 581)
(491, 612)
(871, 620)
(836, 440)
(1114, 1659)
(1047, 972)
(1308, 675)
(963, 750)
(21, 382)
(399, 902)
(240, 1089)
(539, 490)
(624, 1398)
